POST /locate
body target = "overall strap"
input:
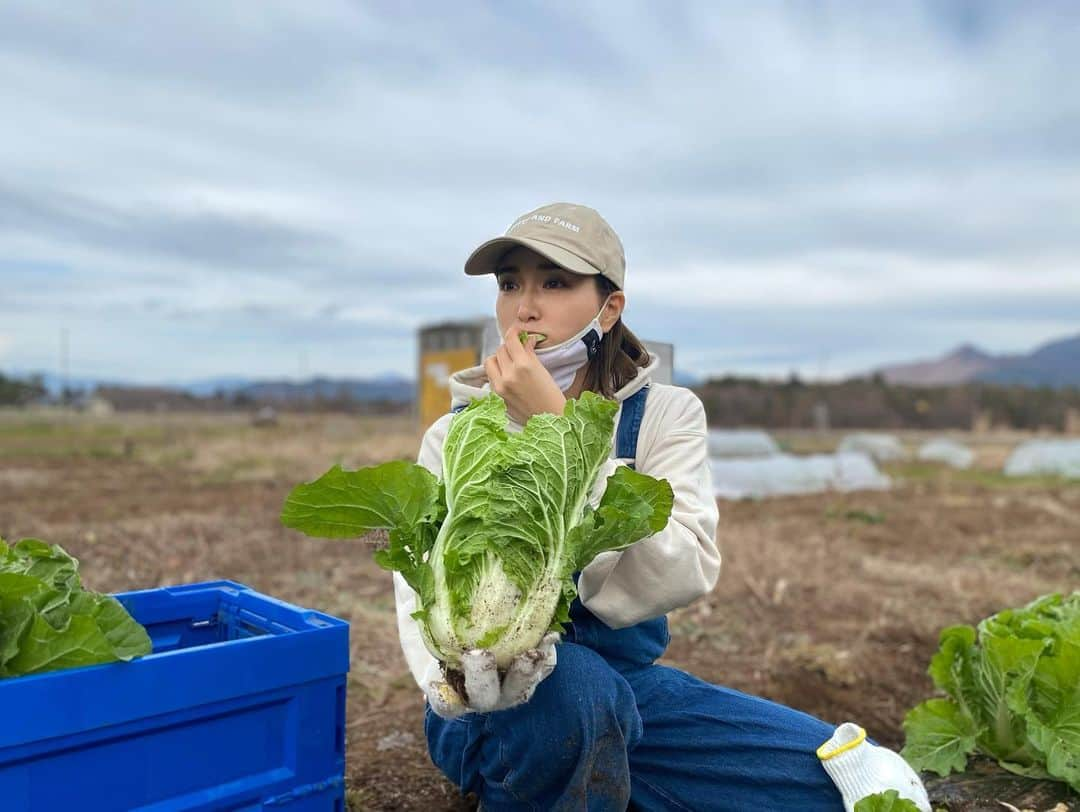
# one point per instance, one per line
(633, 408)
(643, 643)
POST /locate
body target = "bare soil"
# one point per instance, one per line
(829, 603)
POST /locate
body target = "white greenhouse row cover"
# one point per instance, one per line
(882, 447)
(728, 443)
(749, 464)
(1060, 457)
(947, 451)
(787, 474)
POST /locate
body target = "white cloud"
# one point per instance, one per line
(773, 161)
(849, 279)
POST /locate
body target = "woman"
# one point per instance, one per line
(591, 722)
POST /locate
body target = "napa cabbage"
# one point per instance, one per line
(888, 801)
(48, 621)
(492, 546)
(1012, 688)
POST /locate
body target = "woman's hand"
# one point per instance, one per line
(485, 689)
(518, 377)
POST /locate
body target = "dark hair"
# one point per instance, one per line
(621, 353)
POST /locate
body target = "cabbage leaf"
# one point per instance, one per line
(1012, 690)
(48, 621)
(888, 801)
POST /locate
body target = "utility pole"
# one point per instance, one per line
(64, 365)
(822, 358)
(821, 406)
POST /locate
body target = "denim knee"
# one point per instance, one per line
(565, 748)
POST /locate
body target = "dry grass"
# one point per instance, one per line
(818, 606)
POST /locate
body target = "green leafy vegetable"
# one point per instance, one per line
(491, 549)
(48, 621)
(1013, 688)
(889, 801)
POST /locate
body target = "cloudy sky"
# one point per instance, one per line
(264, 189)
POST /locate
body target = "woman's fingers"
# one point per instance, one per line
(513, 347)
(491, 367)
(547, 648)
(444, 700)
(526, 671)
(513, 360)
(481, 679)
(523, 675)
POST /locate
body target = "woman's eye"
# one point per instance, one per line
(507, 284)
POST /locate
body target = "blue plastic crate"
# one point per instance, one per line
(241, 706)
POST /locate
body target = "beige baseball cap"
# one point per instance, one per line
(574, 237)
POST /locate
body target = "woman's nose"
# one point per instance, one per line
(526, 309)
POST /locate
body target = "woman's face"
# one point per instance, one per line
(538, 296)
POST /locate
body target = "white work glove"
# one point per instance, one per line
(486, 692)
(859, 768)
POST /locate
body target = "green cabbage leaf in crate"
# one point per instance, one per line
(48, 621)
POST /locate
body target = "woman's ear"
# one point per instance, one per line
(613, 309)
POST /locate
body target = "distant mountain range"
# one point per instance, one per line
(387, 387)
(1056, 364)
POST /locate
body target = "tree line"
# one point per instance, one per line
(874, 403)
(16, 392)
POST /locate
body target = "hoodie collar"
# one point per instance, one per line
(472, 383)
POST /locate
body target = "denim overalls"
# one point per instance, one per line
(611, 730)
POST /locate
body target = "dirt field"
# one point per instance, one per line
(831, 604)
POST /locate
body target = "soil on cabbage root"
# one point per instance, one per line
(830, 603)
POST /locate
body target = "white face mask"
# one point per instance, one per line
(564, 360)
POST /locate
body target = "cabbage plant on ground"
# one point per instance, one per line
(48, 621)
(1013, 687)
(889, 801)
(491, 548)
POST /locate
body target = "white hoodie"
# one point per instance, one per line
(659, 573)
